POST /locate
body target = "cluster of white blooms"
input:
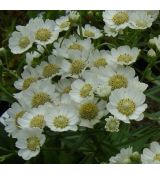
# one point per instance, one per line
(116, 21)
(75, 85)
(127, 156)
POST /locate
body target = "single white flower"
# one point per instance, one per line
(118, 19)
(38, 94)
(29, 142)
(151, 155)
(21, 40)
(127, 104)
(62, 118)
(90, 32)
(63, 23)
(112, 124)
(73, 17)
(110, 31)
(45, 32)
(124, 55)
(151, 53)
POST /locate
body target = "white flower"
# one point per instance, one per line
(66, 47)
(45, 32)
(110, 31)
(90, 32)
(15, 113)
(151, 53)
(73, 16)
(51, 68)
(156, 42)
(124, 55)
(151, 155)
(140, 20)
(29, 76)
(112, 124)
(127, 104)
(29, 142)
(62, 118)
(63, 23)
(21, 40)
(116, 19)
(38, 94)
(153, 13)
(103, 90)
(123, 157)
(81, 90)
(91, 111)
(35, 118)
(99, 58)
(4, 117)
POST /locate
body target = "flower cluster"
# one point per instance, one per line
(69, 83)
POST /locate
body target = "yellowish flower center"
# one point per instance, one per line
(66, 90)
(24, 42)
(157, 157)
(43, 34)
(100, 62)
(37, 121)
(61, 121)
(118, 81)
(33, 143)
(126, 106)
(120, 18)
(65, 24)
(50, 70)
(40, 99)
(27, 82)
(86, 89)
(88, 111)
(76, 46)
(17, 117)
(125, 58)
(77, 66)
(89, 33)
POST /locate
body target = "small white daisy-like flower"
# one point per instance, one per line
(112, 124)
(29, 142)
(62, 118)
(15, 113)
(81, 89)
(140, 20)
(38, 94)
(99, 58)
(29, 76)
(116, 19)
(71, 45)
(90, 32)
(91, 111)
(124, 55)
(45, 32)
(73, 16)
(51, 68)
(21, 40)
(63, 23)
(35, 118)
(110, 31)
(123, 157)
(127, 104)
(151, 155)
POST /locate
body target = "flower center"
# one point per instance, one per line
(33, 143)
(126, 106)
(27, 82)
(76, 46)
(157, 157)
(66, 90)
(118, 81)
(61, 121)
(24, 42)
(77, 66)
(17, 117)
(65, 24)
(43, 34)
(40, 99)
(89, 33)
(37, 121)
(86, 89)
(100, 62)
(88, 111)
(50, 70)
(125, 58)
(120, 18)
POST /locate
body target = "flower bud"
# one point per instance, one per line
(151, 53)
